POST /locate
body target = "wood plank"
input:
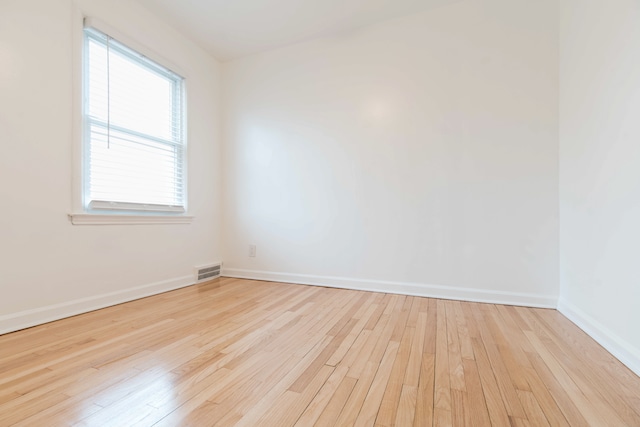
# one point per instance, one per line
(505, 383)
(533, 410)
(388, 407)
(456, 369)
(494, 403)
(475, 403)
(412, 374)
(320, 401)
(334, 408)
(425, 395)
(464, 337)
(407, 408)
(442, 387)
(371, 406)
(286, 410)
(545, 399)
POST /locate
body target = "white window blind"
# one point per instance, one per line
(134, 144)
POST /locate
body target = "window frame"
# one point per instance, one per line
(104, 212)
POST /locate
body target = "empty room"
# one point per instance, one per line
(320, 213)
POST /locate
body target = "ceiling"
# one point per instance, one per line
(230, 29)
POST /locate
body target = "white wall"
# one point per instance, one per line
(47, 264)
(600, 171)
(418, 152)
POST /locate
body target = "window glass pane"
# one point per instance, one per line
(141, 100)
(134, 170)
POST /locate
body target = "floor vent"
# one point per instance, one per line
(208, 272)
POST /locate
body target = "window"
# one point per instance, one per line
(133, 130)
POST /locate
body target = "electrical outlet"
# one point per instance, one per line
(252, 250)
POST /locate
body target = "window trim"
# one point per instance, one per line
(108, 213)
(120, 219)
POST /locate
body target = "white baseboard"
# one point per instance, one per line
(28, 318)
(405, 288)
(615, 345)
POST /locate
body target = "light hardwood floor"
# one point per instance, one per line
(247, 353)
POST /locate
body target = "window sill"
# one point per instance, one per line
(102, 219)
